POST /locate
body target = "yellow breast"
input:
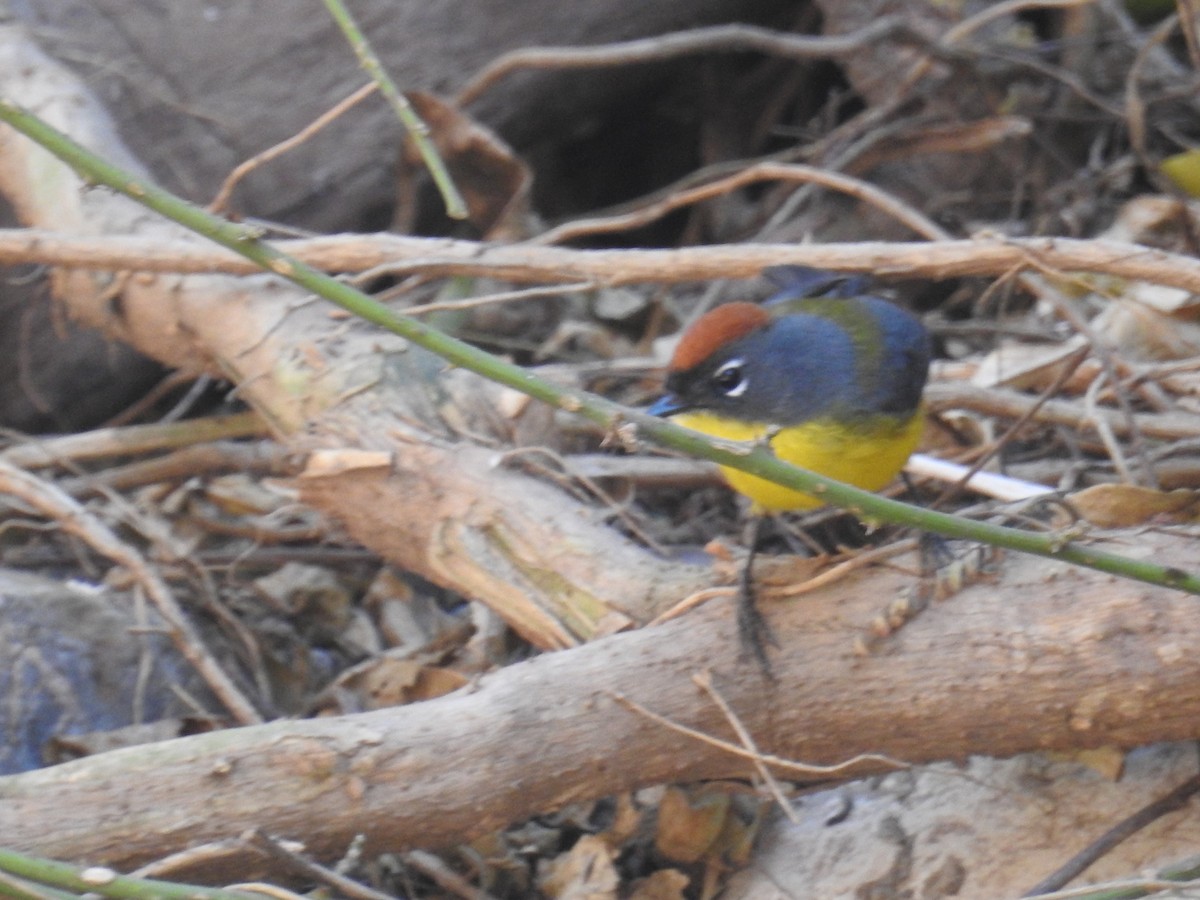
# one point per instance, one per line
(866, 454)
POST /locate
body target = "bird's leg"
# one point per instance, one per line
(754, 632)
(933, 553)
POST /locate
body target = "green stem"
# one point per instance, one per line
(755, 460)
(61, 877)
(456, 207)
(1180, 876)
(14, 888)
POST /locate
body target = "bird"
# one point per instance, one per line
(826, 372)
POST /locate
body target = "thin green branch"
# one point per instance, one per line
(1174, 881)
(21, 889)
(756, 460)
(62, 880)
(456, 207)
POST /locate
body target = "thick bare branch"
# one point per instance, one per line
(1043, 658)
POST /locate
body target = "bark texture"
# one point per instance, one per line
(1044, 657)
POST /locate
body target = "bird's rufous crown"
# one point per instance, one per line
(715, 329)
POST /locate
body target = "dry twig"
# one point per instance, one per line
(1174, 801)
(301, 865)
(757, 757)
(525, 263)
(763, 171)
(73, 518)
(220, 202)
(704, 681)
(717, 38)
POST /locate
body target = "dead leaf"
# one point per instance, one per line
(384, 682)
(626, 821)
(242, 495)
(1025, 366)
(492, 179)
(410, 621)
(1124, 505)
(1140, 329)
(689, 822)
(585, 872)
(326, 463)
(665, 884)
(735, 843)
(1109, 762)
(1154, 220)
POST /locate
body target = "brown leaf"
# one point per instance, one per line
(735, 843)
(1107, 761)
(1124, 505)
(1139, 328)
(585, 872)
(626, 821)
(689, 824)
(492, 179)
(665, 884)
(384, 682)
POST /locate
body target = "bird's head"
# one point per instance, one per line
(823, 346)
(741, 362)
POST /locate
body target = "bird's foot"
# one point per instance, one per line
(943, 574)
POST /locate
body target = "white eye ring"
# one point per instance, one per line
(725, 376)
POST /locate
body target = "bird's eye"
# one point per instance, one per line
(730, 379)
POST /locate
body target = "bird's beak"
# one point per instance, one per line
(665, 406)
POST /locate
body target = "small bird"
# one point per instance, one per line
(827, 373)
